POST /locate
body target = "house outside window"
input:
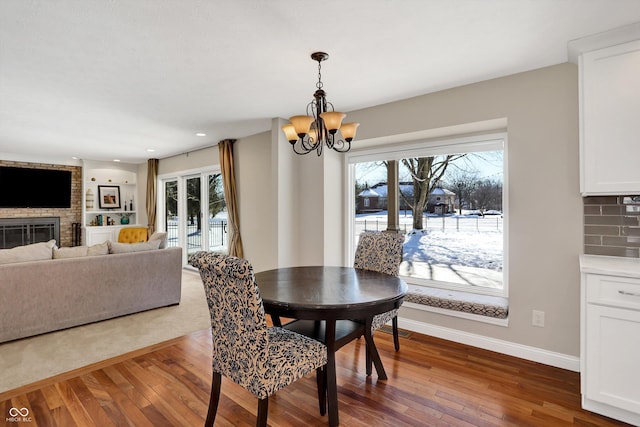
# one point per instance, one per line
(451, 243)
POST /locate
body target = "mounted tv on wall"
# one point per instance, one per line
(34, 188)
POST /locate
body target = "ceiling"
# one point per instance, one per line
(107, 79)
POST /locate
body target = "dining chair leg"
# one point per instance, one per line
(263, 410)
(276, 320)
(369, 361)
(396, 339)
(321, 380)
(216, 381)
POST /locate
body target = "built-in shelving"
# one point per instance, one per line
(102, 224)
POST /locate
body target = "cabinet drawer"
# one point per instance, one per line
(615, 291)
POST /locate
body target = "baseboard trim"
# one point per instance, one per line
(559, 360)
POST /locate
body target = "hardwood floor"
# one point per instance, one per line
(431, 382)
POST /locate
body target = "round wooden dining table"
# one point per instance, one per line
(341, 301)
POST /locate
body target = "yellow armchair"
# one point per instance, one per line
(133, 235)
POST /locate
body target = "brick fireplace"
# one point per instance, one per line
(25, 231)
(67, 216)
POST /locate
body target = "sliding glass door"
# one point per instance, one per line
(194, 212)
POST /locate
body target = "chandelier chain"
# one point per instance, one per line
(319, 84)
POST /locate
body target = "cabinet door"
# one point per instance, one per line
(610, 120)
(97, 235)
(613, 356)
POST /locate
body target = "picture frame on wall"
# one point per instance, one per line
(109, 196)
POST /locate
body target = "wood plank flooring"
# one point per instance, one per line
(432, 382)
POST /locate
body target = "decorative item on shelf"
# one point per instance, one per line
(124, 217)
(109, 196)
(320, 126)
(131, 205)
(89, 199)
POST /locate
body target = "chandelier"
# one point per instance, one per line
(322, 125)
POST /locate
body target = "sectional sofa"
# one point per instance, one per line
(84, 285)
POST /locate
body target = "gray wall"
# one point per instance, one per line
(544, 203)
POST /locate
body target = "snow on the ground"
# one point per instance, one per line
(471, 249)
(459, 240)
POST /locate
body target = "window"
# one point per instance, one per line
(449, 205)
(194, 212)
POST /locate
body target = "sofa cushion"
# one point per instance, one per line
(160, 235)
(75, 252)
(33, 252)
(122, 248)
(81, 251)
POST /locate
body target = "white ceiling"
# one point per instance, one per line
(105, 79)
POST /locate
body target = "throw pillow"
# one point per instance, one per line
(123, 248)
(99, 249)
(160, 235)
(33, 252)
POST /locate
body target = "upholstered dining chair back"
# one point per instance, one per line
(133, 235)
(259, 358)
(379, 251)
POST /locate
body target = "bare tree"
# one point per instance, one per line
(425, 173)
(462, 181)
(488, 194)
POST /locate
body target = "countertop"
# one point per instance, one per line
(610, 265)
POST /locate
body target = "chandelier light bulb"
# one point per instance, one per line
(301, 124)
(348, 130)
(332, 120)
(290, 132)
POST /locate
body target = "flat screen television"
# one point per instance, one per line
(34, 188)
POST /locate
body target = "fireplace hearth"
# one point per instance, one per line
(25, 231)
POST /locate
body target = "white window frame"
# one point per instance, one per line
(431, 147)
(182, 177)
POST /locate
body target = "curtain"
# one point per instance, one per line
(152, 177)
(229, 185)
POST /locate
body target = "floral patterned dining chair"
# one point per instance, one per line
(259, 358)
(381, 252)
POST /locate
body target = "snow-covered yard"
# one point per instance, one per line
(461, 249)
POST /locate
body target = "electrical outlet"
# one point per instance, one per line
(537, 318)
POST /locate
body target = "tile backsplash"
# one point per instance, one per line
(612, 226)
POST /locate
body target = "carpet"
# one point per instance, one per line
(32, 359)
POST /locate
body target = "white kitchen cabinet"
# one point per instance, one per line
(610, 120)
(610, 336)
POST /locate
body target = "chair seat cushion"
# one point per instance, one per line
(291, 356)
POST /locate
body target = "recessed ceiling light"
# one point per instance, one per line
(201, 134)
(116, 160)
(75, 158)
(150, 150)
